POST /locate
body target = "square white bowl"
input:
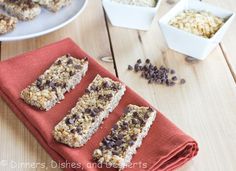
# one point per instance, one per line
(130, 16)
(188, 43)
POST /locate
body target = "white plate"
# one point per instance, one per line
(46, 22)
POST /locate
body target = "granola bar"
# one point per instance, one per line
(126, 136)
(22, 9)
(53, 5)
(100, 98)
(65, 73)
(7, 23)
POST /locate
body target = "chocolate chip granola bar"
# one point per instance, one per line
(126, 136)
(53, 5)
(100, 98)
(50, 87)
(7, 23)
(22, 9)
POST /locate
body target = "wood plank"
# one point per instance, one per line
(228, 44)
(203, 107)
(90, 32)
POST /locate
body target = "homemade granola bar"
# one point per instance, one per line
(7, 23)
(50, 87)
(126, 136)
(100, 98)
(22, 9)
(53, 5)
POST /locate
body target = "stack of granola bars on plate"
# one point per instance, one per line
(25, 10)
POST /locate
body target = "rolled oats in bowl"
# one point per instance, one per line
(201, 23)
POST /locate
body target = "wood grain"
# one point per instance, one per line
(17, 144)
(228, 44)
(203, 107)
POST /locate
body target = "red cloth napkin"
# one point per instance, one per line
(164, 148)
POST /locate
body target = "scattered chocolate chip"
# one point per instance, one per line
(86, 58)
(139, 61)
(182, 81)
(147, 61)
(68, 55)
(153, 74)
(174, 78)
(172, 71)
(130, 67)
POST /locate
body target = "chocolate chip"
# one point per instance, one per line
(172, 71)
(68, 55)
(118, 142)
(150, 109)
(87, 110)
(105, 84)
(147, 61)
(146, 116)
(69, 61)
(115, 153)
(93, 113)
(69, 121)
(115, 127)
(78, 129)
(38, 82)
(87, 90)
(120, 136)
(134, 137)
(78, 67)
(131, 143)
(130, 67)
(174, 78)
(59, 62)
(139, 61)
(134, 121)
(73, 131)
(182, 81)
(135, 114)
(71, 73)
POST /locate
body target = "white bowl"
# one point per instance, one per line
(130, 16)
(188, 43)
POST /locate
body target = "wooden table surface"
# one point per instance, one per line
(204, 107)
